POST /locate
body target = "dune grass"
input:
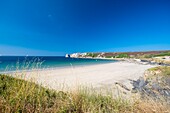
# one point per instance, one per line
(19, 96)
(161, 70)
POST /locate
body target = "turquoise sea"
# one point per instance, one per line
(12, 63)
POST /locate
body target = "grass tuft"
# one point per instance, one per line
(161, 70)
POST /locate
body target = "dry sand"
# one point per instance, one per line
(100, 75)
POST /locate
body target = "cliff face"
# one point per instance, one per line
(78, 55)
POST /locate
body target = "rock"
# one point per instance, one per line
(167, 80)
(141, 82)
(160, 63)
(156, 86)
(67, 56)
(134, 90)
(123, 86)
(167, 93)
(135, 84)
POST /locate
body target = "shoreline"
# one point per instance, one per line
(135, 60)
(56, 67)
(97, 76)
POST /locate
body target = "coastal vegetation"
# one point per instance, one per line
(159, 57)
(147, 54)
(154, 84)
(167, 53)
(109, 57)
(93, 55)
(161, 71)
(122, 55)
(163, 54)
(17, 95)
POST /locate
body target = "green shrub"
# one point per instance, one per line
(164, 70)
(163, 54)
(92, 55)
(123, 55)
(109, 56)
(148, 56)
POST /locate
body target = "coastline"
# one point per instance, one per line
(12, 64)
(97, 76)
(56, 67)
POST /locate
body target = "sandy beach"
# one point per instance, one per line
(100, 75)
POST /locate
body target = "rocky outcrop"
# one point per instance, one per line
(157, 87)
(67, 56)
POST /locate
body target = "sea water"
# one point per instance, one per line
(12, 63)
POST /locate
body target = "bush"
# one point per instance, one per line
(163, 70)
(163, 54)
(109, 56)
(92, 55)
(148, 56)
(123, 55)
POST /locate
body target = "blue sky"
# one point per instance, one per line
(56, 27)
